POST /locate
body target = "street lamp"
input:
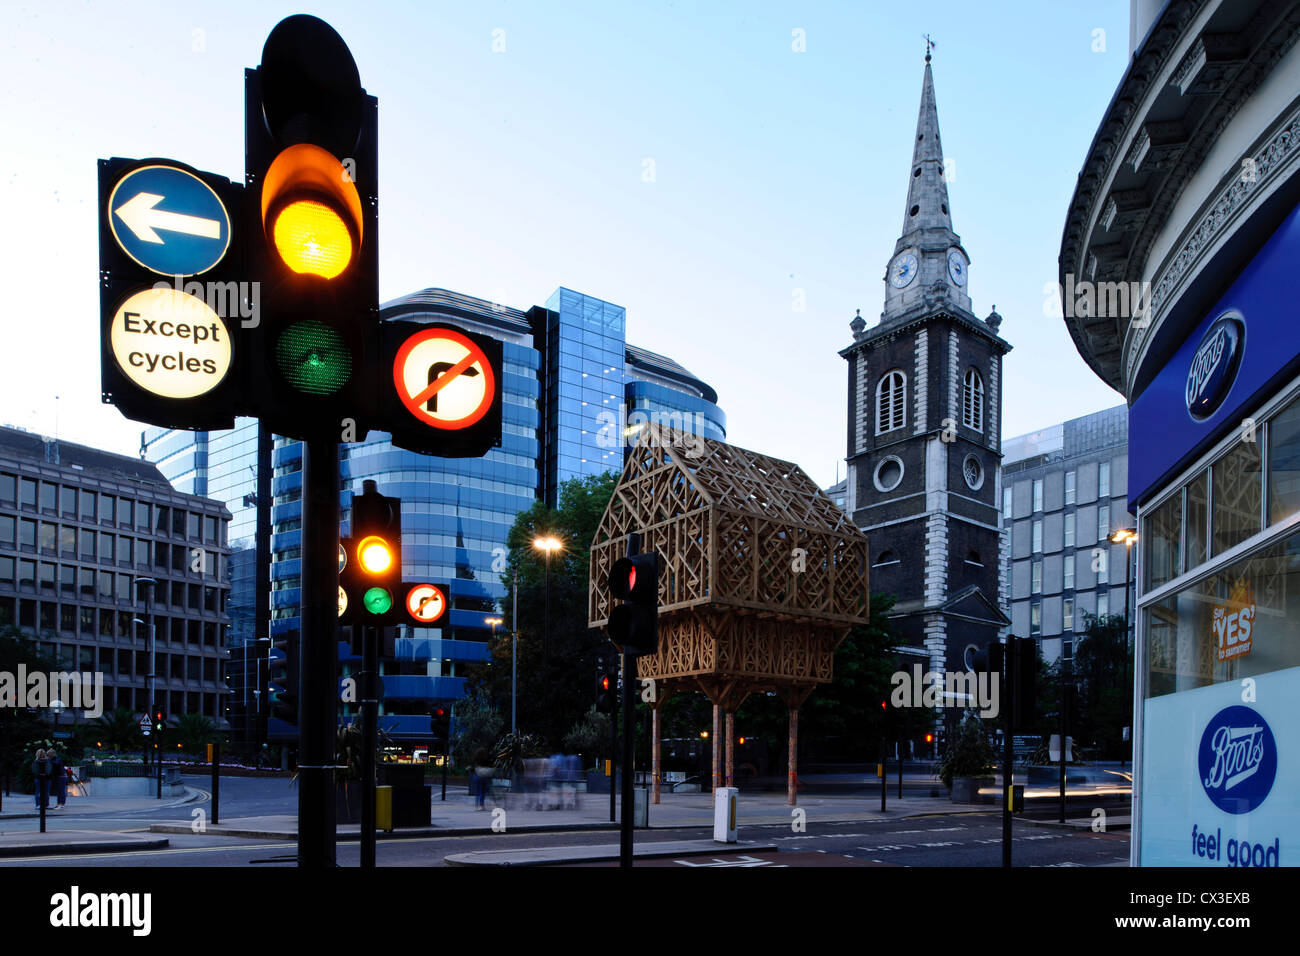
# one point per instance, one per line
(547, 544)
(150, 584)
(1128, 537)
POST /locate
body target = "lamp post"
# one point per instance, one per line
(150, 584)
(547, 544)
(1128, 537)
(495, 622)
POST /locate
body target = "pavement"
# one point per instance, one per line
(457, 816)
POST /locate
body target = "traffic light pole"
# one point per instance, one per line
(625, 830)
(369, 722)
(1010, 688)
(318, 668)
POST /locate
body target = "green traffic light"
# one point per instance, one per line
(377, 601)
(313, 358)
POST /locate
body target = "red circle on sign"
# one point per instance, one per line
(414, 607)
(475, 352)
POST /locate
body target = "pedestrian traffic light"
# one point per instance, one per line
(606, 691)
(159, 720)
(634, 625)
(283, 682)
(311, 222)
(440, 726)
(370, 591)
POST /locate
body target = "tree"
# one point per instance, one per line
(557, 665)
(969, 754)
(120, 730)
(19, 725)
(589, 736)
(194, 732)
(1103, 671)
(478, 727)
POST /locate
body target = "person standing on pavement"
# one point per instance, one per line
(41, 777)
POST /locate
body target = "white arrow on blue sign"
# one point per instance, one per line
(169, 220)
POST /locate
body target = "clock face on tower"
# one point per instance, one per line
(903, 270)
(957, 267)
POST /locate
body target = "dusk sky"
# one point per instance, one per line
(710, 167)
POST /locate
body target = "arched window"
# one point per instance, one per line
(972, 400)
(890, 410)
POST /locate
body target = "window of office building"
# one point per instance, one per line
(87, 539)
(1067, 614)
(1069, 572)
(1038, 494)
(1006, 502)
(1035, 618)
(123, 549)
(1036, 535)
(1103, 479)
(68, 580)
(27, 574)
(1035, 577)
(47, 574)
(1069, 530)
(27, 493)
(67, 539)
(142, 551)
(107, 508)
(7, 571)
(8, 484)
(1101, 561)
(1103, 522)
(178, 522)
(143, 518)
(87, 499)
(1103, 604)
(49, 497)
(1069, 487)
(27, 533)
(7, 527)
(86, 577)
(68, 501)
(163, 516)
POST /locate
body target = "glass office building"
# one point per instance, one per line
(570, 383)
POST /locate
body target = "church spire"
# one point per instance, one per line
(927, 192)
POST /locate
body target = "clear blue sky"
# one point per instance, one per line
(507, 174)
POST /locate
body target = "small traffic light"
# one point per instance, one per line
(370, 574)
(159, 720)
(634, 625)
(607, 691)
(929, 738)
(440, 726)
(311, 223)
(284, 676)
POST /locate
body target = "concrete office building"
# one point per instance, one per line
(78, 528)
(1189, 194)
(1063, 496)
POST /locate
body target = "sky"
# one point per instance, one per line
(733, 174)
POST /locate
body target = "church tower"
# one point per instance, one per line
(924, 436)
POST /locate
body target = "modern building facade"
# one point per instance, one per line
(1063, 497)
(97, 550)
(571, 385)
(1189, 197)
(924, 428)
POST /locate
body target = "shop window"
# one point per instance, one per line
(1198, 501)
(1238, 489)
(1284, 463)
(1162, 537)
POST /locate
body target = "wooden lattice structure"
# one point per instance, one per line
(761, 577)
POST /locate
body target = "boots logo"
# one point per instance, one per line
(1238, 759)
(1214, 366)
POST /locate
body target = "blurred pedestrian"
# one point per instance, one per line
(483, 773)
(41, 777)
(58, 779)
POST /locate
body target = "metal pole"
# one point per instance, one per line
(514, 651)
(900, 770)
(262, 566)
(884, 773)
(1011, 657)
(216, 782)
(318, 655)
(625, 836)
(613, 762)
(546, 631)
(43, 794)
(369, 720)
(1065, 727)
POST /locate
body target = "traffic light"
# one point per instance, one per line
(283, 681)
(1025, 676)
(634, 625)
(370, 572)
(173, 294)
(990, 659)
(607, 691)
(440, 726)
(159, 721)
(311, 222)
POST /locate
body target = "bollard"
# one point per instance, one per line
(724, 815)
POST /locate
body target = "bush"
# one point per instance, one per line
(970, 753)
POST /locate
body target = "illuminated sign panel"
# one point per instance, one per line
(170, 343)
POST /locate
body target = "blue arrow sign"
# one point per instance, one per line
(169, 220)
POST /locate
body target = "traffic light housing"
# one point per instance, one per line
(607, 691)
(634, 625)
(283, 680)
(159, 720)
(1025, 678)
(440, 726)
(370, 577)
(311, 222)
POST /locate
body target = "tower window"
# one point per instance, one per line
(972, 400)
(914, 210)
(886, 557)
(890, 395)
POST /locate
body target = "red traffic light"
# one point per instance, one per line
(929, 738)
(604, 682)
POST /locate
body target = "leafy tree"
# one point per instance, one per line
(120, 730)
(194, 732)
(19, 725)
(969, 754)
(478, 727)
(1103, 672)
(557, 662)
(589, 736)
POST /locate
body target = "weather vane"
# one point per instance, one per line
(929, 45)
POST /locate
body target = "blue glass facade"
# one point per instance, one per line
(570, 384)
